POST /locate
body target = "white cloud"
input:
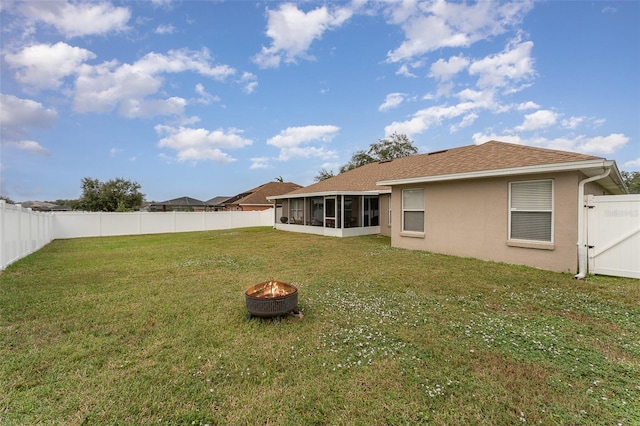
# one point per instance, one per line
(602, 144)
(537, 120)
(44, 66)
(393, 100)
(205, 97)
(162, 3)
(182, 60)
(201, 144)
(165, 29)
(429, 117)
(466, 121)
(404, 71)
(429, 26)
(506, 69)
(479, 138)
(260, 163)
(484, 99)
(527, 105)
(77, 19)
(445, 70)
(292, 31)
(572, 122)
(147, 108)
(107, 86)
(32, 147)
(596, 145)
(18, 117)
(498, 74)
(293, 141)
(632, 163)
(250, 82)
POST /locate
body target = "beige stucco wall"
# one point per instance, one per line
(470, 218)
(385, 227)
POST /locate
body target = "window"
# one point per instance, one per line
(413, 210)
(296, 211)
(531, 210)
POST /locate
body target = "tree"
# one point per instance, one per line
(323, 174)
(114, 195)
(7, 199)
(397, 146)
(632, 180)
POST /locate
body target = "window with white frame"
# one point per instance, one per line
(531, 210)
(413, 210)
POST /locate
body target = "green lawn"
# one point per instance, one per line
(154, 330)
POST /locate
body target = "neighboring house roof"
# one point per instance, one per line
(259, 194)
(182, 201)
(217, 200)
(38, 205)
(472, 161)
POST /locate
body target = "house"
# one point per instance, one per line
(496, 201)
(216, 204)
(256, 198)
(187, 204)
(43, 206)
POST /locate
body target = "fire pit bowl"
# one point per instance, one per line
(271, 299)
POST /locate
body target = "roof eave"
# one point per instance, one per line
(329, 193)
(583, 166)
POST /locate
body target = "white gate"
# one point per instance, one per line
(613, 235)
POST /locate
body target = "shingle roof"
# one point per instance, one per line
(363, 178)
(259, 194)
(182, 201)
(217, 200)
(491, 155)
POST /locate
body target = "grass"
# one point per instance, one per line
(154, 330)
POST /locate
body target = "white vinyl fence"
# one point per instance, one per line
(23, 231)
(614, 235)
(96, 224)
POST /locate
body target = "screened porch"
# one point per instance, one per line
(340, 215)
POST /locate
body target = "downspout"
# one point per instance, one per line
(582, 247)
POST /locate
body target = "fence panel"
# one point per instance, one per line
(96, 224)
(22, 232)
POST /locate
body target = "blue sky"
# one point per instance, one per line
(208, 98)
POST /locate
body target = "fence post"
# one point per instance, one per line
(2, 233)
(19, 246)
(29, 242)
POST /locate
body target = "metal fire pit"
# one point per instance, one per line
(271, 299)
